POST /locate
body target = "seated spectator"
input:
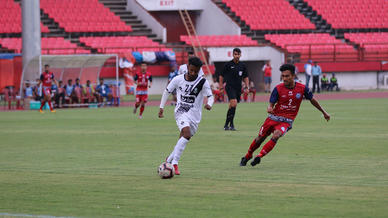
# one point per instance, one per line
(88, 92)
(215, 86)
(325, 84)
(334, 83)
(69, 88)
(102, 91)
(59, 96)
(28, 91)
(252, 91)
(77, 91)
(37, 91)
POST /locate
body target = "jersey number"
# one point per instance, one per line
(290, 101)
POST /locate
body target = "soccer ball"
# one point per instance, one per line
(166, 171)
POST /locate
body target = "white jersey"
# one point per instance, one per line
(190, 96)
(183, 69)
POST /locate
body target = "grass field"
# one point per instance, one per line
(103, 162)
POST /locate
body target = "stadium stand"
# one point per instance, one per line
(269, 14)
(347, 14)
(11, 19)
(121, 44)
(223, 40)
(315, 46)
(83, 16)
(52, 45)
(375, 45)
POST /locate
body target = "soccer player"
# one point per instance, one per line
(184, 69)
(46, 79)
(191, 90)
(283, 107)
(234, 72)
(143, 81)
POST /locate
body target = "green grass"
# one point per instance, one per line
(103, 162)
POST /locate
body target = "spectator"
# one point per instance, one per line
(28, 91)
(325, 84)
(37, 91)
(307, 69)
(59, 96)
(267, 69)
(334, 83)
(89, 92)
(77, 92)
(252, 90)
(316, 71)
(102, 91)
(69, 88)
(215, 86)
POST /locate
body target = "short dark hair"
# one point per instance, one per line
(46, 65)
(289, 67)
(190, 52)
(195, 61)
(237, 50)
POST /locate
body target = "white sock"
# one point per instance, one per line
(170, 157)
(178, 150)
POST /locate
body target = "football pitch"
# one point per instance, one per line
(103, 163)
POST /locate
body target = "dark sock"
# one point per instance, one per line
(227, 118)
(232, 112)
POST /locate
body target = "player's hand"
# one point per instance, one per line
(270, 110)
(160, 115)
(208, 107)
(326, 115)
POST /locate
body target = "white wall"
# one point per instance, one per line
(350, 80)
(147, 19)
(213, 21)
(171, 5)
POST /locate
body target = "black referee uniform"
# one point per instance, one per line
(233, 74)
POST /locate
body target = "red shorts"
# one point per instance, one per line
(140, 98)
(269, 126)
(46, 91)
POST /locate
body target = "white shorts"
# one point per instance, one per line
(184, 121)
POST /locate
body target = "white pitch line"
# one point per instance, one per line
(35, 216)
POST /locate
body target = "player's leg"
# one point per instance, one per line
(265, 130)
(142, 105)
(280, 130)
(137, 103)
(233, 107)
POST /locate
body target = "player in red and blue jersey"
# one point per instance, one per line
(283, 107)
(143, 81)
(46, 79)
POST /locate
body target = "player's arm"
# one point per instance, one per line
(135, 79)
(309, 95)
(319, 107)
(170, 88)
(209, 94)
(272, 100)
(150, 84)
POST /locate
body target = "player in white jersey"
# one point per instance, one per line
(183, 68)
(191, 90)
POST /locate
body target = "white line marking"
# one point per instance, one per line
(35, 216)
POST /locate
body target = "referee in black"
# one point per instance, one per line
(233, 73)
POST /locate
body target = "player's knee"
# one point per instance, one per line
(186, 133)
(276, 135)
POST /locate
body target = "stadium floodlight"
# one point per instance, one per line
(65, 67)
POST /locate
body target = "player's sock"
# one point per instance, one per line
(267, 147)
(227, 118)
(251, 149)
(178, 150)
(141, 110)
(232, 113)
(50, 105)
(41, 105)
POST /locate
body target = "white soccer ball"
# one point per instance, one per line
(166, 171)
